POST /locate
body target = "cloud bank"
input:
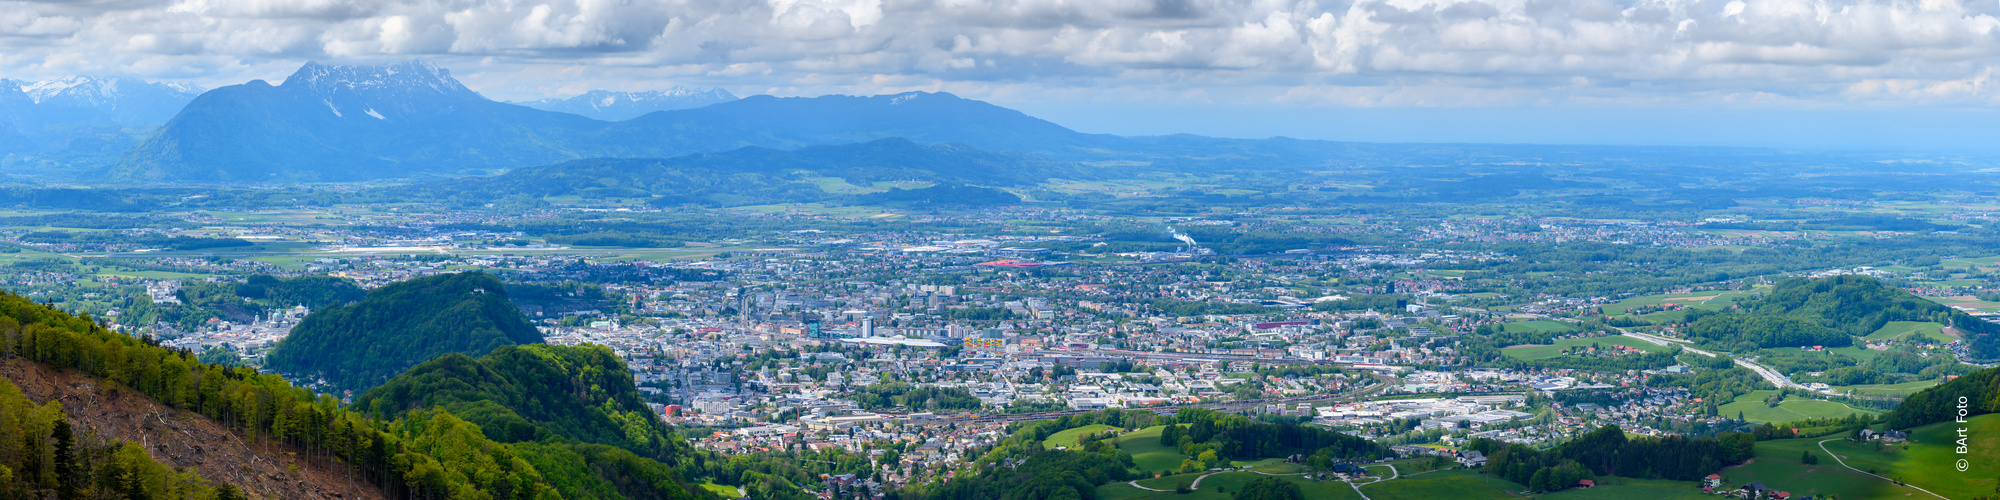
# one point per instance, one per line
(1447, 53)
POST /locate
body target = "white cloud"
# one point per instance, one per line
(1335, 52)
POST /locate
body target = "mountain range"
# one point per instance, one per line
(618, 106)
(81, 122)
(413, 120)
(343, 123)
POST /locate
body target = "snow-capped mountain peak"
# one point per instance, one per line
(415, 77)
(98, 91)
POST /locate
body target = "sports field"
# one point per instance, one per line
(1792, 409)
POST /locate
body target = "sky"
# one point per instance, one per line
(1913, 74)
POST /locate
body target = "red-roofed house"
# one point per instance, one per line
(1586, 483)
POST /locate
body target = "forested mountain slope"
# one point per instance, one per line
(1980, 390)
(531, 392)
(426, 454)
(355, 347)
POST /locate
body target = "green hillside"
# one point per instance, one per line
(1069, 437)
(1148, 453)
(1980, 390)
(1457, 485)
(1754, 409)
(1830, 312)
(1928, 459)
(533, 392)
(357, 346)
(425, 454)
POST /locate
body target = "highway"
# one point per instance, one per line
(1769, 375)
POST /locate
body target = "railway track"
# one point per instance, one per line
(1381, 383)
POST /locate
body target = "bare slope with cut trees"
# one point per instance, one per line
(261, 467)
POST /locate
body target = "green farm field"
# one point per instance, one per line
(1777, 466)
(1540, 325)
(1221, 486)
(1147, 452)
(1451, 484)
(1899, 329)
(1067, 438)
(1794, 408)
(1553, 350)
(1715, 299)
(1903, 389)
(721, 490)
(1625, 488)
(1928, 459)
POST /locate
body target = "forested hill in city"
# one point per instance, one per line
(1830, 312)
(534, 392)
(358, 346)
(755, 175)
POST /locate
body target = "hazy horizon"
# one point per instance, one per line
(1675, 72)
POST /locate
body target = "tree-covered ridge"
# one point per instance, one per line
(1608, 452)
(261, 406)
(42, 455)
(428, 454)
(1047, 474)
(1981, 391)
(357, 346)
(1214, 438)
(1829, 312)
(1021, 467)
(533, 392)
(763, 175)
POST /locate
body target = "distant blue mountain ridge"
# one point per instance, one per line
(345, 123)
(413, 121)
(619, 106)
(81, 122)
